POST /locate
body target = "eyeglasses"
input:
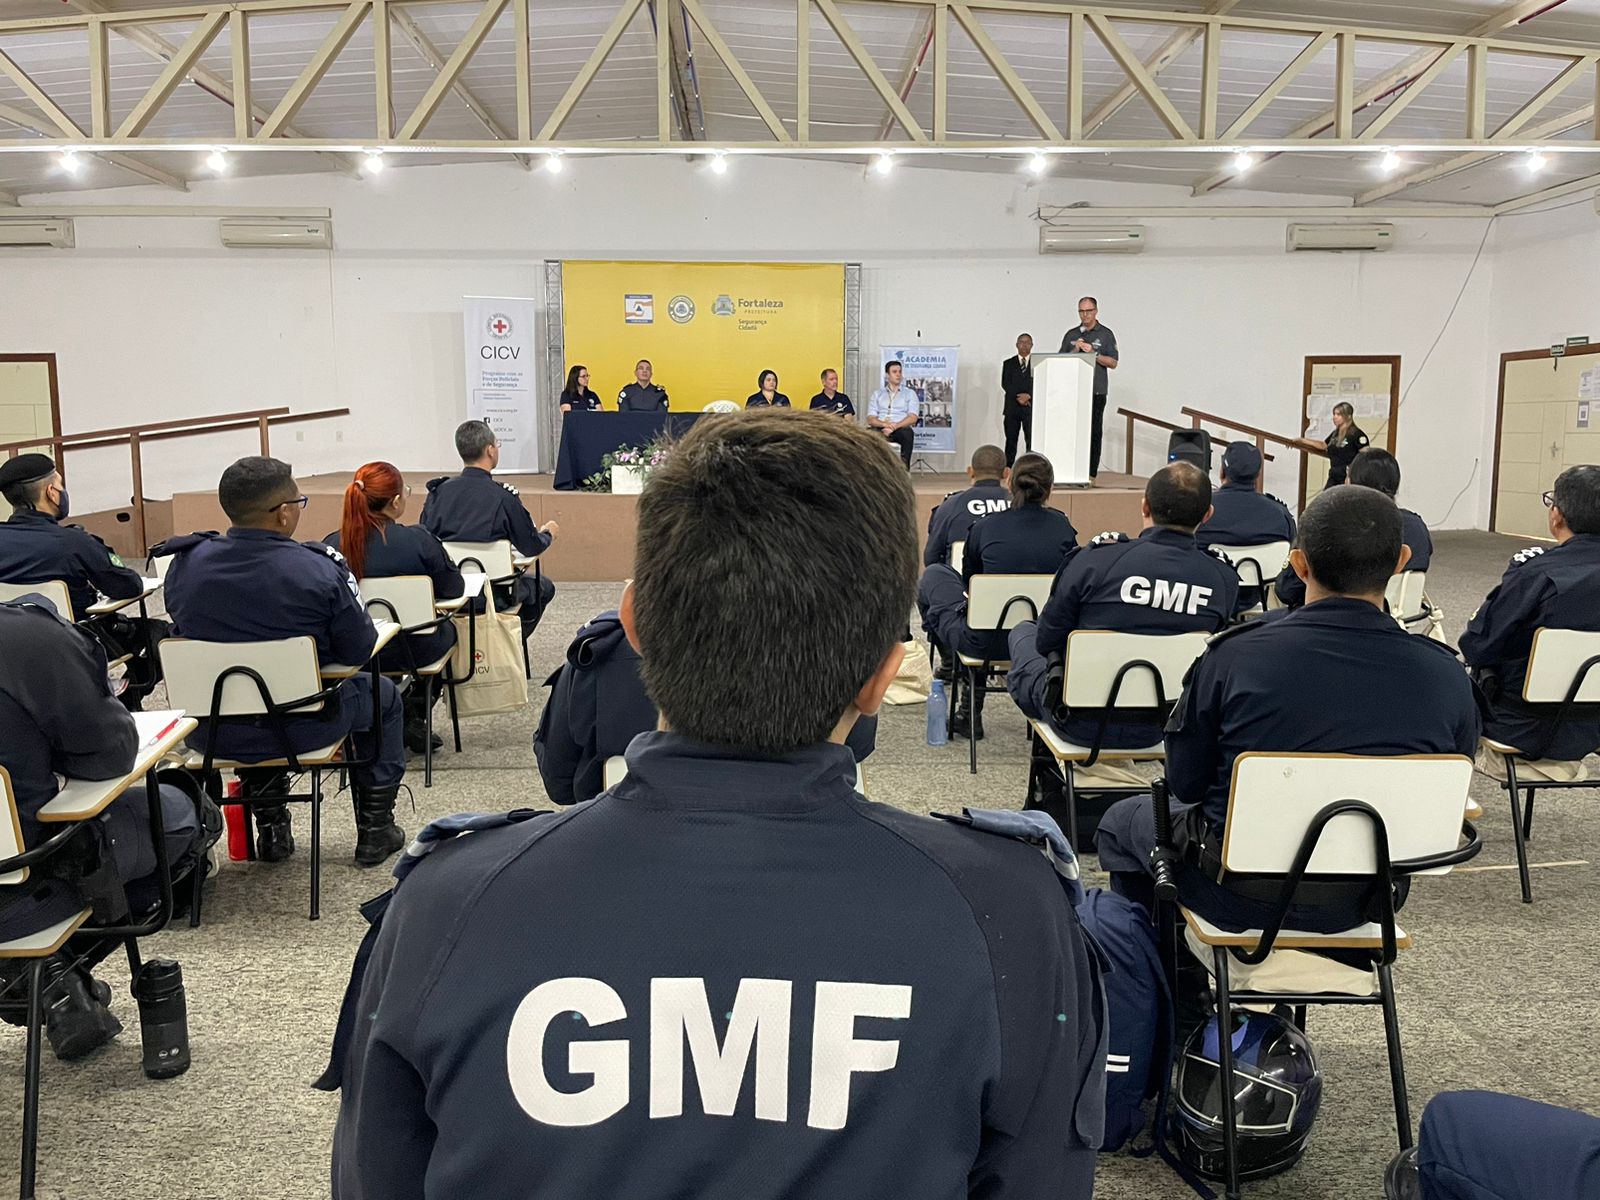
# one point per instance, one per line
(1081, 311)
(1549, 499)
(298, 502)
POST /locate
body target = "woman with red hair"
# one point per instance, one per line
(374, 543)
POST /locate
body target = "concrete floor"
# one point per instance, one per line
(1496, 994)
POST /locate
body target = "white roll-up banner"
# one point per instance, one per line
(500, 373)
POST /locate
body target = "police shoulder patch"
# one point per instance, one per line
(1234, 631)
(1217, 552)
(1274, 499)
(326, 549)
(1110, 537)
(116, 559)
(509, 488)
(434, 483)
(1527, 555)
(623, 394)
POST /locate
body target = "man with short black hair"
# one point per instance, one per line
(894, 411)
(474, 506)
(831, 399)
(37, 546)
(256, 583)
(1160, 582)
(914, 999)
(1243, 516)
(1016, 382)
(641, 395)
(959, 511)
(1554, 588)
(1335, 677)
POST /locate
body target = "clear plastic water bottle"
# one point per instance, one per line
(938, 715)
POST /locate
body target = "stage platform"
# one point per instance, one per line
(597, 531)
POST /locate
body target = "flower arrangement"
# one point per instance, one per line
(641, 460)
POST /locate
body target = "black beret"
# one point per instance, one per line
(26, 468)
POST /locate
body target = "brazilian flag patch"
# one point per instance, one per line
(116, 559)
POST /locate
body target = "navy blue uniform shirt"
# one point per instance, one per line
(35, 547)
(1558, 588)
(1034, 539)
(840, 404)
(1338, 676)
(958, 512)
(731, 979)
(1158, 582)
(1245, 517)
(757, 400)
(1103, 341)
(637, 397)
(587, 401)
(1291, 588)
(394, 549)
(475, 507)
(1343, 446)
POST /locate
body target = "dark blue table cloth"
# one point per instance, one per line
(587, 437)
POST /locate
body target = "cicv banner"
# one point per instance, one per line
(500, 375)
(929, 371)
(709, 329)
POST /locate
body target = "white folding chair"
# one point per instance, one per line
(1360, 819)
(1563, 681)
(723, 406)
(1404, 596)
(408, 601)
(958, 555)
(53, 590)
(1106, 673)
(278, 680)
(1258, 565)
(995, 603)
(494, 559)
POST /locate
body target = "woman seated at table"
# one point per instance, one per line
(374, 543)
(577, 396)
(767, 392)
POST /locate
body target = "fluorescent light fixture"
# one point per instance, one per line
(883, 164)
(1390, 163)
(1535, 162)
(373, 163)
(1038, 164)
(217, 161)
(553, 164)
(68, 161)
(1243, 161)
(719, 163)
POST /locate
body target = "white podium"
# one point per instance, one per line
(1063, 410)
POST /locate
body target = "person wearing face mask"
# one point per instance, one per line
(37, 545)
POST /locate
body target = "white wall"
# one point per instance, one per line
(152, 319)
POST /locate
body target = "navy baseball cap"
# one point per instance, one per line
(1241, 460)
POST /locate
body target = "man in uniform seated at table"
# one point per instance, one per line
(36, 546)
(598, 705)
(641, 395)
(62, 723)
(831, 399)
(1242, 516)
(257, 584)
(1337, 676)
(1557, 588)
(475, 507)
(960, 511)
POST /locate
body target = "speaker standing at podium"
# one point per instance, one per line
(1091, 337)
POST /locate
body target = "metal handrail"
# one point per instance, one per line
(1159, 423)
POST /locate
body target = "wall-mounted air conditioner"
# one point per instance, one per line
(1340, 237)
(263, 233)
(1084, 239)
(36, 231)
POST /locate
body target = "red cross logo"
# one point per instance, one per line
(500, 326)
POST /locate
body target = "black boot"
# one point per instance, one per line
(416, 708)
(970, 709)
(274, 829)
(77, 1021)
(377, 836)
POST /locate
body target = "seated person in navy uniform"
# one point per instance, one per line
(1337, 676)
(831, 399)
(475, 507)
(1557, 588)
(36, 546)
(374, 542)
(831, 963)
(1159, 582)
(767, 394)
(598, 705)
(959, 511)
(1488, 1146)
(61, 722)
(256, 584)
(1378, 469)
(1029, 538)
(1242, 516)
(577, 396)
(641, 395)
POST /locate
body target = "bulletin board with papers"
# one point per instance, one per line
(1370, 384)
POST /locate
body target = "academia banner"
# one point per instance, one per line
(709, 329)
(500, 374)
(929, 371)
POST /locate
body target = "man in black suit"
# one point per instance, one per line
(1016, 377)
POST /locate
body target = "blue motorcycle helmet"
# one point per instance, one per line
(1277, 1092)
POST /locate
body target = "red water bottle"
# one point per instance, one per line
(238, 824)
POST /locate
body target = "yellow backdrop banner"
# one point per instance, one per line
(709, 329)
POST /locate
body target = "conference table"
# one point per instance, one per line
(587, 437)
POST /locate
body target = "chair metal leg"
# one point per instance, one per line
(1527, 818)
(972, 720)
(1513, 790)
(1230, 1132)
(1397, 1066)
(1300, 1017)
(1069, 789)
(30, 1086)
(135, 959)
(455, 717)
(316, 843)
(427, 745)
